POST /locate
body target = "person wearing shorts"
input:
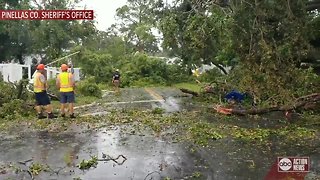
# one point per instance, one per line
(116, 80)
(40, 89)
(66, 83)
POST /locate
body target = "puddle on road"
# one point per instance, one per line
(145, 154)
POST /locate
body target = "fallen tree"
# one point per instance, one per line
(308, 102)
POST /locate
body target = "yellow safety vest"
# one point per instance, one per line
(66, 84)
(38, 86)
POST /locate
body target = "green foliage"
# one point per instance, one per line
(271, 45)
(158, 111)
(36, 168)
(52, 87)
(197, 35)
(136, 23)
(202, 133)
(6, 93)
(143, 70)
(87, 164)
(196, 175)
(291, 133)
(14, 109)
(89, 88)
(46, 38)
(10, 106)
(101, 66)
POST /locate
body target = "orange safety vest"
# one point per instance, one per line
(38, 86)
(66, 84)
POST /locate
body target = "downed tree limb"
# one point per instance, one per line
(25, 162)
(189, 92)
(108, 158)
(302, 102)
(53, 97)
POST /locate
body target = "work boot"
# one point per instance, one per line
(72, 116)
(51, 116)
(41, 116)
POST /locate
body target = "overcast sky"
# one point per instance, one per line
(104, 11)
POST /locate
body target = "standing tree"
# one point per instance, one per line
(198, 33)
(270, 37)
(138, 24)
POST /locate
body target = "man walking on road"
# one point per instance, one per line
(66, 83)
(40, 89)
(116, 81)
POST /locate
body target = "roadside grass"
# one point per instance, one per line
(190, 86)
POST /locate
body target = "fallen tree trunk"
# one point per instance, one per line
(189, 92)
(301, 103)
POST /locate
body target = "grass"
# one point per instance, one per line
(191, 86)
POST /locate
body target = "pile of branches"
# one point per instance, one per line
(308, 102)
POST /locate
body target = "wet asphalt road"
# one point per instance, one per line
(147, 156)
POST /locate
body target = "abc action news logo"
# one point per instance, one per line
(46, 15)
(293, 164)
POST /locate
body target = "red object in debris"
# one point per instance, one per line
(224, 110)
(273, 174)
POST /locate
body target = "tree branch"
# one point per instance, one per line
(220, 67)
(300, 103)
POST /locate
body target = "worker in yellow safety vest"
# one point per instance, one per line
(66, 84)
(40, 89)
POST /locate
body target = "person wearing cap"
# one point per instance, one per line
(40, 89)
(116, 80)
(65, 82)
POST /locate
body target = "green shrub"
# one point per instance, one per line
(6, 93)
(136, 70)
(15, 108)
(52, 87)
(87, 88)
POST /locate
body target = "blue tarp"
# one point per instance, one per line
(235, 95)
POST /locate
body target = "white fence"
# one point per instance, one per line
(14, 72)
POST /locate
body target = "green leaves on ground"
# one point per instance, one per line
(258, 135)
(37, 168)
(87, 164)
